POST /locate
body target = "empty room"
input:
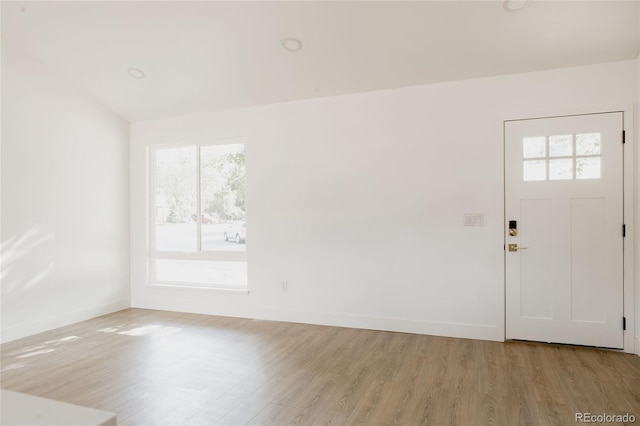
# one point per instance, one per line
(320, 212)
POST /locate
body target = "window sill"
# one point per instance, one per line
(176, 286)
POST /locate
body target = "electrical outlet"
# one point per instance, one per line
(284, 286)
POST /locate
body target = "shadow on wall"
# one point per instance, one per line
(26, 262)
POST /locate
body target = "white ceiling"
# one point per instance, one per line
(201, 56)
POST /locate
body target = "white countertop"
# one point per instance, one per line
(18, 409)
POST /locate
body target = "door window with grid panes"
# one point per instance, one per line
(561, 157)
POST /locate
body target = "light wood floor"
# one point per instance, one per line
(162, 368)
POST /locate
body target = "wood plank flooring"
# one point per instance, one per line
(163, 368)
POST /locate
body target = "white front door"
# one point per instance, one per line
(564, 227)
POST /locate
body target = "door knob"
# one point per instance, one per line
(514, 247)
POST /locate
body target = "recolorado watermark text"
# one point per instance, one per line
(605, 418)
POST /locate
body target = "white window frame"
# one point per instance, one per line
(214, 255)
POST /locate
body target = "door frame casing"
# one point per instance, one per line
(631, 288)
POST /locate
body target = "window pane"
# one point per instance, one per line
(588, 144)
(534, 147)
(206, 273)
(534, 170)
(588, 168)
(561, 169)
(561, 146)
(175, 196)
(223, 182)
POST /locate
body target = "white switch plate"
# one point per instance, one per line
(474, 219)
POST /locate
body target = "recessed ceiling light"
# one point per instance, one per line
(292, 44)
(136, 73)
(515, 5)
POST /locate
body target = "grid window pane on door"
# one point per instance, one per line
(588, 168)
(189, 245)
(560, 146)
(533, 170)
(561, 169)
(535, 147)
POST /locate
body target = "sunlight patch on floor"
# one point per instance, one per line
(40, 352)
(141, 330)
(13, 366)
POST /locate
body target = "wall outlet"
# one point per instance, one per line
(284, 286)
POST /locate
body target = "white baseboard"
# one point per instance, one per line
(401, 325)
(434, 328)
(49, 323)
(638, 347)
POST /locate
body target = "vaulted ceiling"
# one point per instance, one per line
(208, 55)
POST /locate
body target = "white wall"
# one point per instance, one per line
(65, 251)
(637, 205)
(358, 200)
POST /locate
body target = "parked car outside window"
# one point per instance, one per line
(236, 232)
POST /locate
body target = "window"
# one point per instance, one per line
(561, 157)
(198, 228)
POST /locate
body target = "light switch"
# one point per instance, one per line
(474, 219)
